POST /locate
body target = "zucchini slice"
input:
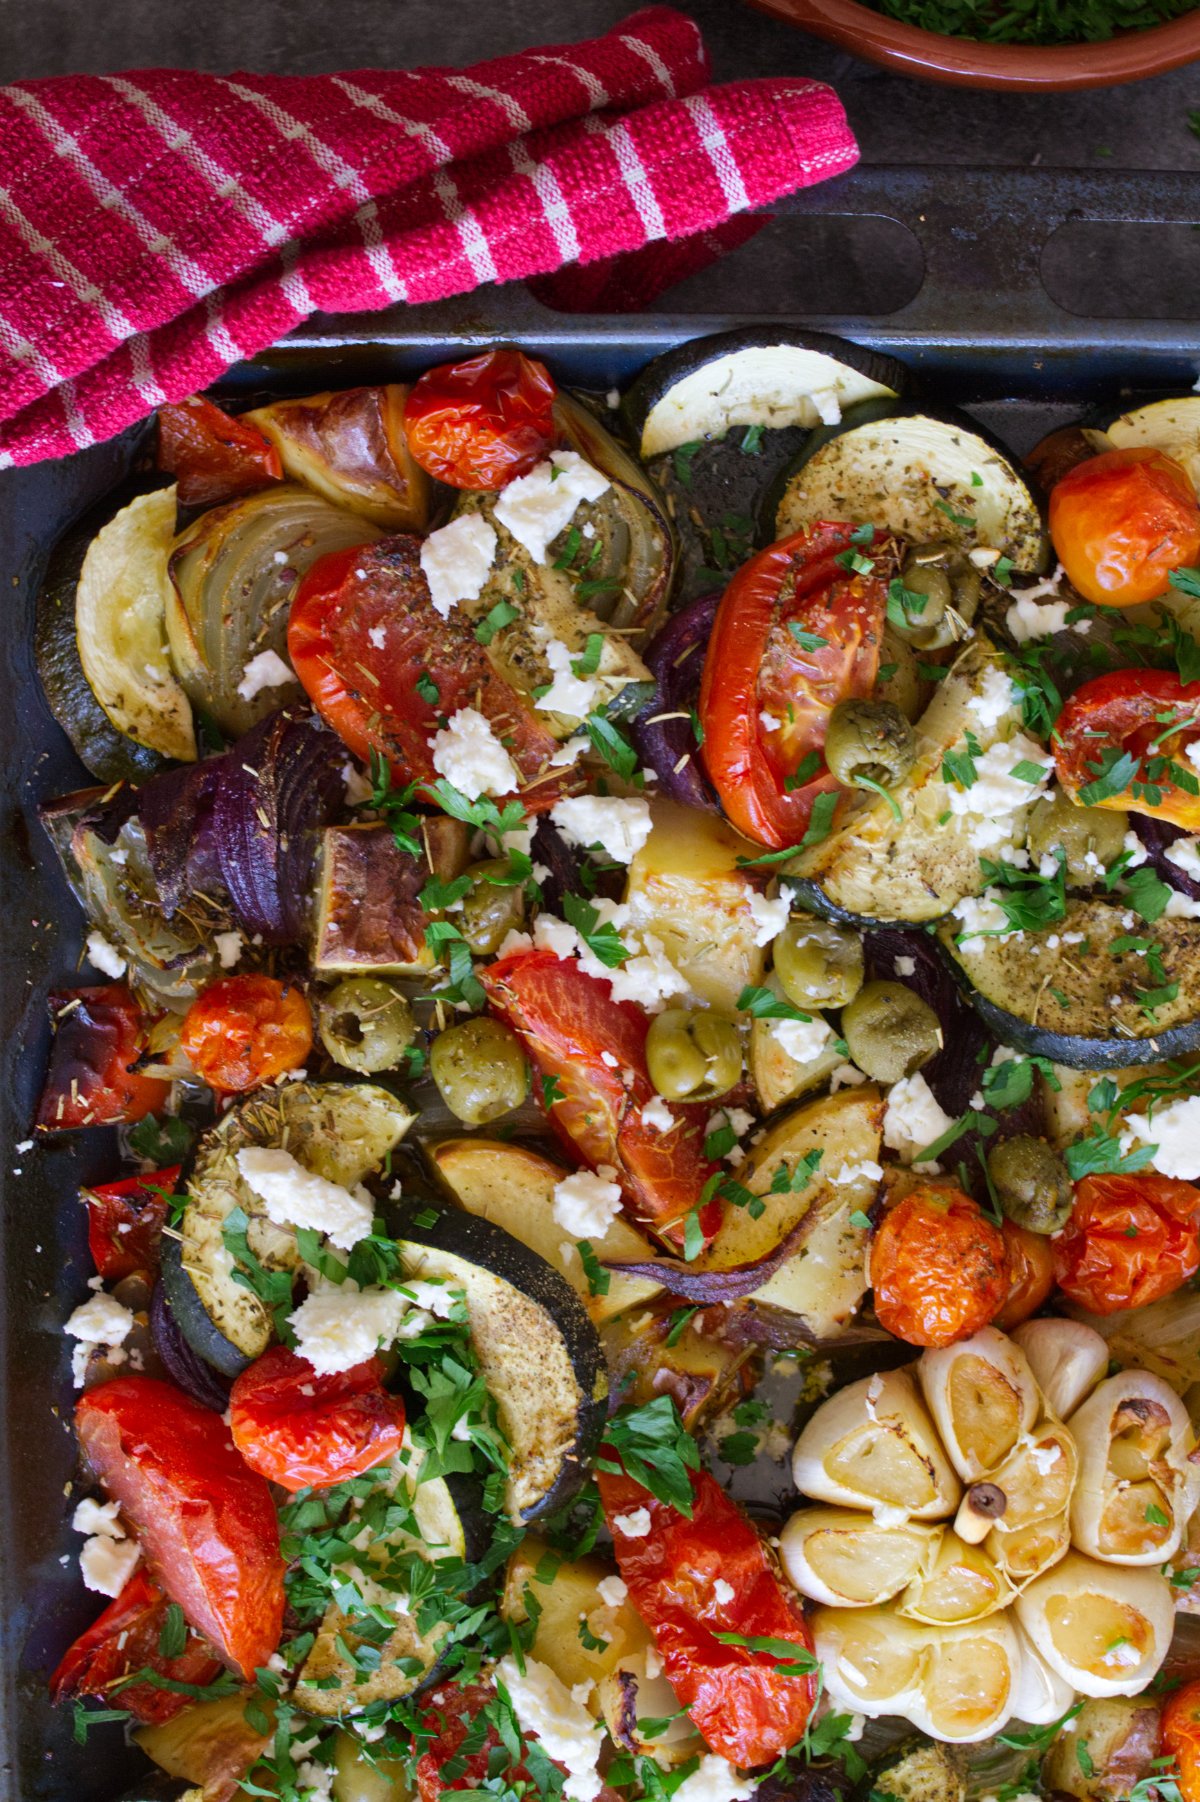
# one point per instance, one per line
(1172, 426)
(209, 1743)
(874, 867)
(1080, 1003)
(766, 376)
(539, 1353)
(120, 622)
(446, 1522)
(514, 1188)
(342, 1130)
(921, 475)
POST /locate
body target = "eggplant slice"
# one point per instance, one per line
(766, 376)
(925, 476)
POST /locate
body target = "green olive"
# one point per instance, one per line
(480, 1070)
(365, 1025)
(1092, 837)
(869, 744)
(951, 584)
(491, 909)
(1032, 1183)
(818, 964)
(890, 1031)
(900, 680)
(693, 1056)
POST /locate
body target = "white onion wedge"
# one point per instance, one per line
(873, 1446)
(1137, 1484)
(839, 1556)
(1067, 1358)
(1105, 1628)
(982, 1396)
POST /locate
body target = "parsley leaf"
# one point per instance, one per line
(655, 1450)
(589, 662)
(603, 940)
(598, 1278)
(611, 744)
(1100, 1155)
(499, 616)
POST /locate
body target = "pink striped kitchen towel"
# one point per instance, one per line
(158, 226)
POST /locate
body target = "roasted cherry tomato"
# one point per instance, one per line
(1180, 1737)
(124, 1639)
(567, 1020)
(939, 1268)
(1030, 1275)
(1130, 1240)
(212, 456)
(747, 1708)
(795, 633)
(1121, 522)
(207, 1525)
(363, 633)
(125, 1222)
(1149, 714)
(302, 1430)
(480, 423)
(244, 1031)
(98, 1034)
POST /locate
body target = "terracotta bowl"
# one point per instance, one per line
(1022, 68)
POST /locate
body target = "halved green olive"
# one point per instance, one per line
(950, 586)
(480, 1070)
(365, 1025)
(1092, 837)
(1032, 1183)
(818, 964)
(890, 1031)
(869, 744)
(491, 908)
(693, 1056)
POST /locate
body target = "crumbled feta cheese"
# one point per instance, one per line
(715, 1780)
(106, 1565)
(1180, 907)
(995, 697)
(867, 1170)
(846, 1076)
(377, 636)
(229, 948)
(267, 670)
(620, 827)
(612, 1591)
(339, 1325)
(359, 787)
(1122, 1653)
(1027, 619)
(802, 1039)
(647, 976)
(1192, 753)
(97, 1519)
(1044, 1457)
(997, 797)
(553, 1715)
(314, 1782)
(1175, 1131)
(104, 956)
(99, 1321)
(768, 722)
(912, 1119)
(456, 559)
(982, 918)
(657, 1115)
(635, 1524)
(586, 1204)
(1184, 854)
(294, 1196)
(568, 693)
(568, 752)
(769, 916)
(470, 756)
(904, 966)
(535, 508)
(723, 1591)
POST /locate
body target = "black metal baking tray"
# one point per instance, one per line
(981, 331)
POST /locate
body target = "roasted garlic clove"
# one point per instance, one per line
(841, 1557)
(1041, 1695)
(1032, 1549)
(1137, 1484)
(1037, 1479)
(1067, 1359)
(872, 1661)
(982, 1396)
(873, 1445)
(958, 1583)
(968, 1682)
(1105, 1628)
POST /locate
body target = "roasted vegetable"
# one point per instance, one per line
(918, 1771)
(369, 913)
(1105, 1752)
(1079, 1611)
(351, 447)
(99, 1035)
(211, 1744)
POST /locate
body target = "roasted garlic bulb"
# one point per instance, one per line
(1104, 1628)
(873, 1445)
(955, 1683)
(1137, 1480)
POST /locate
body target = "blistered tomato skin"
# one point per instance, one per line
(1130, 1240)
(213, 456)
(481, 423)
(1121, 522)
(939, 1268)
(1030, 1275)
(92, 1080)
(1180, 1730)
(244, 1031)
(126, 1638)
(302, 1430)
(1148, 714)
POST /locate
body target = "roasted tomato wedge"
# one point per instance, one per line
(125, 1222)
(1180, 1729)
(1030, 1275)
(480, 423)
(939, 1268)
(746, 1706)
(211, 455)
(567, 1020)
(206, 1524)
(1121, 522)
(1129, 1241)
(1126, 740)
(244, 1031)
(124, 1639)
(363, 633)
(302, 1430)
(795, 634)
(98, 1034)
